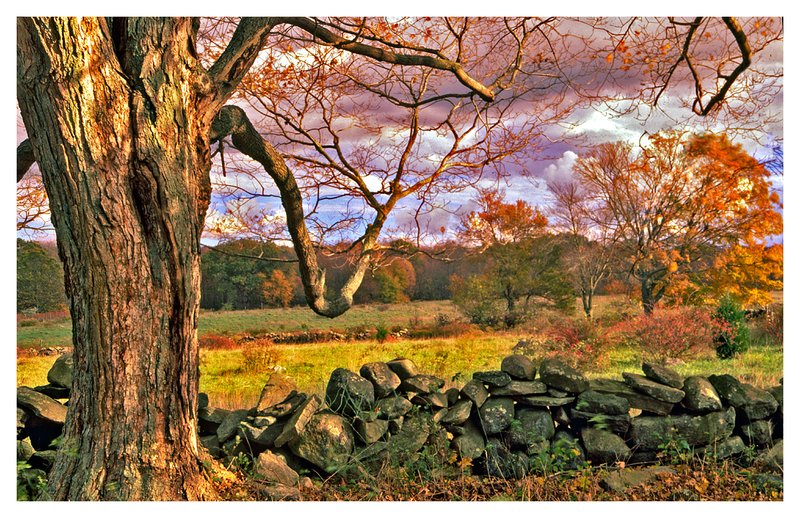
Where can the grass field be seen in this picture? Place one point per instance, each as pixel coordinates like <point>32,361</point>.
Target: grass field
<point>234,380</point>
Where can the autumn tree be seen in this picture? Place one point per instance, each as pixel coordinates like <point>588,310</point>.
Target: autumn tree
<point>121,115</point>
<point>277,289</point>
<point>677,197</point>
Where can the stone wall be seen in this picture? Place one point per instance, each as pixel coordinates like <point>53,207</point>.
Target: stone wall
<point>506,422</point>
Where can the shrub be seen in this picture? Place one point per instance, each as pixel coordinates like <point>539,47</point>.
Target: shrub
<point>216,342</point>
<point>735,337</point>
<point>475,298</point>
<point>381,333</point>
<point>576,341</point>
<point>767,329</point>
<point>679,333</point>
<point>260,356</point>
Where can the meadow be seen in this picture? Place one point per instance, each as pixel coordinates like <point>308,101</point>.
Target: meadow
<point>234,374</point>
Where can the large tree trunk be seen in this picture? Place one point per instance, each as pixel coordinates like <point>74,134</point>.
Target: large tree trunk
<point>121,141</point>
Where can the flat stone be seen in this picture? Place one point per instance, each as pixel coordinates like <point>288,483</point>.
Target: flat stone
<point>432,400</point>
<point>270,467</point>
<point>651,388</point>
<point>209,418</point>
<point>618,424</point>
<point>650,433</point>
<point>624,479</point>
<point>771,460</point>
<point>663,375</point>
<point>383,379</point>
<point>557,393</point>
<point>275,390</point>
<point>41,406</point>
<point>24,451</point>
<point>22,418</point>
<point>422,384</point>
<point>635,399</point>
<point>393,407</point>
<point>277,492</point>
<point>757,432</point>
<point>326,441</point>
<point>347,393</point>
<point>60,374</point>
<point>531,426</point>
<point>545,401</point>
<point>452,395</point>
<point>760,404</point>
<point>295,425</point>
<point>262,437</point>
<point>595,402</point>
<point>475,392</point>
<point>520,388</point>
<point>264,421</point>
<point>403,367</point>
<point>211,443</point>
<point>729,389</point>
<point>492,378</point>
<point>413,435</point>
<point>286,407</point>
<point>370,432</point>
<point>470,443</point>
<point>496,415</point>
<point>519,367</point>
<point>700,395</point>
<point>561,376</point>
<point>53,391</point>
<point>230,424</point>
<point>458,413</point>
<point>724,449</point>
<point>604,447</point>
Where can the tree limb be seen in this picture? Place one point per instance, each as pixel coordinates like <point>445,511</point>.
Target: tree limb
<point>25,158</point>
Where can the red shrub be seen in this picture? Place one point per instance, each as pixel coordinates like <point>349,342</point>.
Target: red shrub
<point>578,342</point>
<point>212,342</point>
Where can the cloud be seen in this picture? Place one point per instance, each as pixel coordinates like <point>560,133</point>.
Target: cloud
<point>561,169</point>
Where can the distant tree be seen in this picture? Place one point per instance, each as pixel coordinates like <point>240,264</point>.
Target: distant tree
<point>277,288</point>
<point>40,278</point>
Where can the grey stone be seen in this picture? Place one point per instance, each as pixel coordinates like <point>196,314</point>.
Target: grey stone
<point>492,378</point>
<point>264,421</point>
<point>22,418</point>
<point>393,407</point>
<point>561,376</point>
<point>651,388</point>
<point>520,388</point>
<point>295,425</point>
<point>452,395</point>
<point>230,424</point>
<point>760,404</point>
<point>649,433</point>
<point>422,384</point>
<point>458,413</point>
<point>41,406</point>
<point>370,432</point>
<point>622,480</point>
<point>545,401</point>
<point>777,393</point>
<point>663,375</point>
<point>595,402</point>
<point>729,389</point>
<point>470,444</point>
<point>635,399</point>
<point>496,415</point>
<point>439,415</point>
<point>700,395</point>
<point>326,442</point>
<point>531,426</point>
<point>211,443</point>
<point>286,407</point>
<point>202,400</point>
<point>432,400</point>
<point>475,392</point>
<point>60,374</point>
<point>270,467</point>
<point>618,424</point>
<point>42,460</point>
<point>757,432</point>
<point>498,461</point>
<point>771,460</point>
<point>261,437</point>
<point>277,492</point>
<point>568,449</point>
<point>209,419</point>
<point>519,367</point>
<point>396,424</point>
<point>53,391</point>
<point>24,451</point>
<point>556,393</point>
<point>348,393</point>
<point>604,447</point>
<point>382,378</point>
<point>275,390</point>
<point>413,435</point>
<point>403,367</point>
<point>726,448</point>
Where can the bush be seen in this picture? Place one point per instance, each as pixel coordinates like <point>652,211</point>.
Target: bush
<point>735,337</point>
<point>576,341</point>
<point>679,333</point>
<point>381,333</point>
<point>260,356</point>
<point>216,342</point>
<point>767,329</point>
<point>475,298</point>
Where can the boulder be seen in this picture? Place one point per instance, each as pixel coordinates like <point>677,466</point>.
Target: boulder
<point>53,391</point>
<point>520,388</point>
<point>370,432</point>
<point>202,400</point>
<point>475,392</point>
<point>211,443</point>
<point>41,406</point>
<point>595,402</point>
<point>60,374</point>
<point>413,435</point>
<point>43,460</point>
<point>729,389</point>
<point>757,432</point>
<point>635,399</point>
<point>652,433</point>
<point>403,367</point>
<point>348,393</point>
<point>771,460</point>
<point>604,447</point>
<point>295,425</point>
<point>496,415</point>
<point>618,423</point>
<point>545,401</point>
<point>24,451</point>
<point>470,443</point>
<point>422,384</point>
<point>383,379</point>
<point>531,426</point>
<point>726,448</point>
<point>433,400</point>
<point>275,390</point>
<point>209,418</point>
<point>326,441</point>
<point>272,468</point>
<point>452,395</point>
<point>230,425</point>
<point>519,367</point>
<point>458,413</point>
<point>22,418</point>
<point>261,437</point>
<point>700,395</point>
<point>625,479</point>
<point>393,407</point>
<point>663,375</point>
<point>559,375</point>
<point>651,388</point>
<point>492,378</point>
<point>498,461</point>
<point>286,407</point>
<point>759,403</point>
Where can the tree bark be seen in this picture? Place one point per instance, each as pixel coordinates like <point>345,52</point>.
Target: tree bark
<point>116,127</point>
